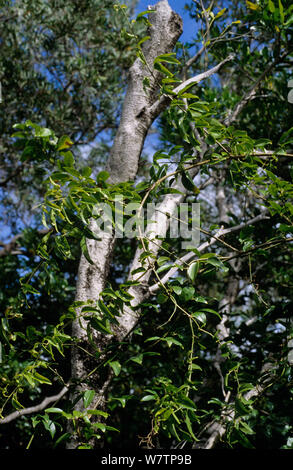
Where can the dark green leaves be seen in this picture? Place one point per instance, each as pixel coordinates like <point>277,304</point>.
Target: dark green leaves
<point>103,326</point>
<point>188,182</point>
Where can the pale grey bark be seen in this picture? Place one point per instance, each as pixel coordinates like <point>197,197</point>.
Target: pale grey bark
<point>136,118</point>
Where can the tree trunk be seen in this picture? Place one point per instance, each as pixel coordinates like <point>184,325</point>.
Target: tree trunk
<point>122,166</point>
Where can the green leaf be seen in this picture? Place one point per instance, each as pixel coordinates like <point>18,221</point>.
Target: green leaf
<point>138,359</point>
<point>63,437</point>
<point>245,428</point>
<point>240,407</point>
<point>41,251</point>
<point>187,293</point>
<point>40,378</point>
<point>271,6</point>
<point>53,410</point>
<point>189,427</point>
<point>122,400</point>
<point>63,247</point>
<point>77,414</point>
<point>44,132</point>
<point>195,367</point>
<point>252,6</point>
<point>200,299</point>
<point>220,13</point>
<point>153,338</point>
<point>68,159</point>
<point>49,425</point>
<point>217,263</point>
<point>103,176</point>
<point>209,310</point>
<point>84,249</point>
<point>162,260</point>
<point>116,366</point>
<point>110,293</point>
<point>141,57</point>
<point>72,171</point>
<point>100,325</point>
<point>111,428</point>
<point>169,58</point>
<point>28,288</point>
<point>162,298</point>
<point>15,403</point>
<point>100,426</point>
<point>170,341</point>
<point>159,66</point>
<point>98,413</point>
<point>146,12</point>
<point>88,397</point>
<point>86,171</point>
<point>148,398</point>
<point>193,270</point>
<point>138,270</point>
<point>143,40</point>
<point>186,403</point>
<point>176,289</point>
<point>188,182</point>
<point>200,316</point>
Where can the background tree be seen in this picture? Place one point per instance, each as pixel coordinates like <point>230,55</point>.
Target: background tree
<point>221,308</point>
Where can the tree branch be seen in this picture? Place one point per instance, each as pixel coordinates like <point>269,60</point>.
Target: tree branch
<point>161,103</point>
<point>36,408</point>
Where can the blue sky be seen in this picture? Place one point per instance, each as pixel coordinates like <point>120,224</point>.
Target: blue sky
<point>178,6</point>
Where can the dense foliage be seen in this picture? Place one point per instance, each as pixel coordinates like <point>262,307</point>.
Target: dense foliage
<point>208,363</point>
